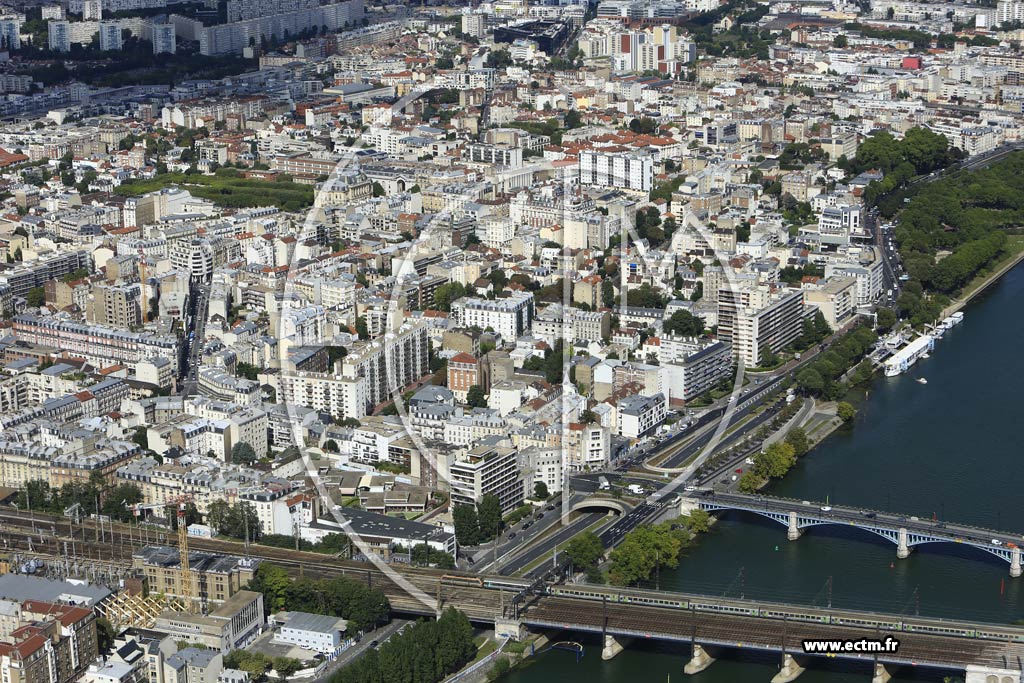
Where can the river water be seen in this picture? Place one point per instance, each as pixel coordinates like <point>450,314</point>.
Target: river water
<point>949,448</point>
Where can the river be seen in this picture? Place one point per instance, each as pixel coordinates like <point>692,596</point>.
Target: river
<point>949,448</point>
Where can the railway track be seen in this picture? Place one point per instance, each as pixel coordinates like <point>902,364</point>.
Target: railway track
<point>724,630</point>
<point>629,612</point>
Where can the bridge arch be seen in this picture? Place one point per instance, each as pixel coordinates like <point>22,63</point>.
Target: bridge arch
<point>601,504</point>
<point>905,539</point>
<point>803,522</point>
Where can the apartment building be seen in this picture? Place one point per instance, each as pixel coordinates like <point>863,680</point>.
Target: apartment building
<point>692,366</point>
<point>464,372</point>
<point>115,305</point>
<point>638,416</point>
<point>25,276</point>
<point>551,324</point>
<point>836,299</point>
<point>389,362</point>
<point>869,275</point>
<point>99,344</point>
<point>337,395</point>
<point>510,316</point>
<point>756,319</point>
<point>622,170</point>
<point>488,470</point>
<point>55,643</point>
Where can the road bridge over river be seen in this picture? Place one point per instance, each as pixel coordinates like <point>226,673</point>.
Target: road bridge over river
<point>904,531</point>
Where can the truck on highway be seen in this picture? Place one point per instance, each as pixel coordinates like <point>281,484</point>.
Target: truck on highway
<point>602,484</point>
<point>635,489</point>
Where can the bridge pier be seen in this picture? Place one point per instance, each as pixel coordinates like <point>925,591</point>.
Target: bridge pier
<point>790,670</point>
<point>612,646</point>
<point>882,674</point>
<point>985,674</point>
<point>700,660</point>
<point>793,532</point>
<point>509,628</point>
<point>902,549</point>
<point>1015,569</point>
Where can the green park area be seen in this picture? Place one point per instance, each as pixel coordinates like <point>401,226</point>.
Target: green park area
<point>227,187</point>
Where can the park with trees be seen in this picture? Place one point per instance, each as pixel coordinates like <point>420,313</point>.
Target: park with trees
<point>424,653</point>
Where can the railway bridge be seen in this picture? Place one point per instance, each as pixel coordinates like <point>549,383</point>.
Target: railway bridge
<point>986,653</point>
<point>904,531</point>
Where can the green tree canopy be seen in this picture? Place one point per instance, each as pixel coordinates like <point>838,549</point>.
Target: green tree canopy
<point>584,550</point>
<point>685,324</point>
<point>243,454</point>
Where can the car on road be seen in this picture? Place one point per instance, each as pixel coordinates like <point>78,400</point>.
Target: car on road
<point>996,541</point>
<point>512,535</point>
<point>826,508</point>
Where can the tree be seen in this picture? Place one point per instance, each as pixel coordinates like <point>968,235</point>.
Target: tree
<point>749,482</point>
<point>797,438</point>
<point>378,189</point>
<point>488,512</point>
<point>684,324</point>
<point>447,293</point>
<point>217,513</point>
<point>845,411</point>
<point>467,525</point>
<point>775,461</point>
<point>285,666</point>
<point>645,549</point>
<point>810,380</point>
<point>105,635</point>
<point>361,330</point>
<point>243,454</point>
<point>36,296</point>
<point>698,521</point>
<point>117,502</point>
<point>886,319</point>
<point>584,550</point>
<point>273,582</point>
<point>475,397</point>
<point>540,491</point>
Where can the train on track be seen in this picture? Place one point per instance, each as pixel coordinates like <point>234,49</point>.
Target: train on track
<point>889,623</point>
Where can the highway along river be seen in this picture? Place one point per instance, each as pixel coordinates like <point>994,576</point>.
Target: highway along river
<point>950,448</point>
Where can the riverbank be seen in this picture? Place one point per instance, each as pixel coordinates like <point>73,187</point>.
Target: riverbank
<point>980,284</point>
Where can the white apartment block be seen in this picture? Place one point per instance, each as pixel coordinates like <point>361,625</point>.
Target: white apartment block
<point>640,415</point>
<point>510,317</point>
<point>59,36</point>
<point>869,275</point>
<point>753,319</point>
<point>339,396</point>
<point>617,169</point>
<point>487,470</point>
<point>693,366</point>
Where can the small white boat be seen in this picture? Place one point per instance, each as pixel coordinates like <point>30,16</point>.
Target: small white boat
<point>925,355</point>
<point>922,380</point>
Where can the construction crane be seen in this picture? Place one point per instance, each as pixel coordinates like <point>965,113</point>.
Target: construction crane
<point>187,586</point>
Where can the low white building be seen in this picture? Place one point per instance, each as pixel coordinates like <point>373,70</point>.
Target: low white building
<point>316,632</point>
